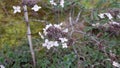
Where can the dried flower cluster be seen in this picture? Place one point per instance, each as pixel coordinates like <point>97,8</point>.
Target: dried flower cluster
<point>56,34</point>
<point>113,29</point>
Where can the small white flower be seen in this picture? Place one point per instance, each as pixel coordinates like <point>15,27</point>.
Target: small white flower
<point>96,25</point>
<point>116,64</point>
<point>101,15</point>
<point>114,23</point>
<point>16,9</point>
<point>41,35</point>
<point>57,26</point>
<point>50,44</point>
<point>62,3</point>
<point>1,66</point>
<point>48,47</point>
<point>109,15</point>
<point>52,2</point>
<point>56,43</point>
<point>46,43</point>
<point>93,25</point>
<point>64,45</point>
<point>47,26</point>
<point>63,40</point>
<point>36,7</point>
<point>61,24</point>
<point>65,30</point>
<point>44,29</point>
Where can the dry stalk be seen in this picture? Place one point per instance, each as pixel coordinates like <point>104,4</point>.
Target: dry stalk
<point>29,34</point>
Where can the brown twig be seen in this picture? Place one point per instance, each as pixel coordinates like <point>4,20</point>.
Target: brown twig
<point>3,7</point>
<point>29,34</point>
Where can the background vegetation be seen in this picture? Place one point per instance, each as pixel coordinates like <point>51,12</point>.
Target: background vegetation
<point>85,53</point>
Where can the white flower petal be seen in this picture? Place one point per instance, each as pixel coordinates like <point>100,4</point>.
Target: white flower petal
<point>48,47</point>
<point>44,45</point>
<point>61,24</point>
<point>48,44</point>
<point>56,43</point>
<point>46,40</point>
<point>63,40</point>
<point>101,15</point>
<point>64,45</point>
<point>94,25</point>
<point>109,15</point>
<point>57,26</point>
<point>36,7</point>
<point>44,31</point>
<point>41,35</point>
<point>116,64</point>
<point>52,2</point>
<point>62,3</point>
<point>113,22</point>
<point>47,26</point>
<point>65,30</point>
<point>16,9</point>
<point>1,66</point>
<point>51,43</point>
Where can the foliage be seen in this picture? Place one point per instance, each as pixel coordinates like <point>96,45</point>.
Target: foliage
<point>95,49</point>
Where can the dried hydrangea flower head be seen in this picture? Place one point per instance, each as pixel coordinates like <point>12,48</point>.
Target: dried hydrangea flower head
<point>114,29</point>
<point>55,33</point>
<point>114,12</point>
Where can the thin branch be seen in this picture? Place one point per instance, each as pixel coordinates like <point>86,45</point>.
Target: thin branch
<point>78,16</point>
<point>3,7</point>
<point>29,34</point>
<point>71,23</point>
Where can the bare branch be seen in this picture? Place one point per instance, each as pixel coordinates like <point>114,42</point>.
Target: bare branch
<point>29,34</point>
